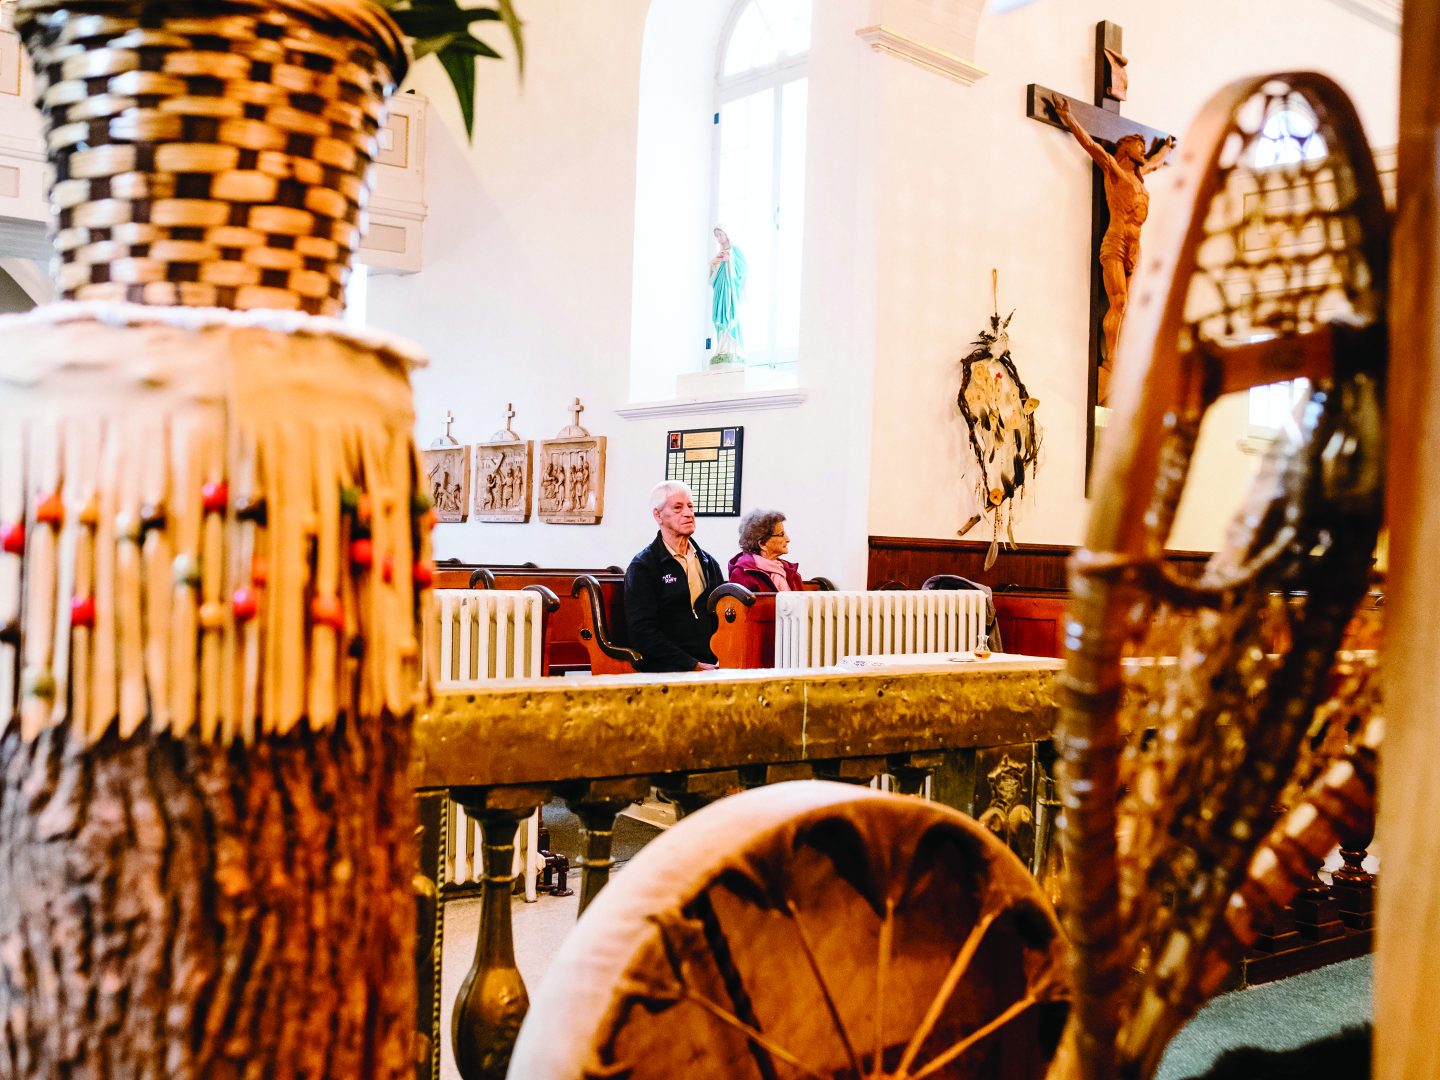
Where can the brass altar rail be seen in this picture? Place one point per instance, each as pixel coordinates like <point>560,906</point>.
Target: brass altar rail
<point>602,742</point>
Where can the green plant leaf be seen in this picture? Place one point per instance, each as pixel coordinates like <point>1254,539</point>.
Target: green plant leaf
<point>507,12</point>
<point>459,58</point>
<point>432,22</point>
<point>422,47</point>
<point>443,28</point>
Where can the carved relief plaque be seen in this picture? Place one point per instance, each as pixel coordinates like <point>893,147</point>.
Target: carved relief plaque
<point>503,472</point>
<point>572,476</point>
<point>447,476</point>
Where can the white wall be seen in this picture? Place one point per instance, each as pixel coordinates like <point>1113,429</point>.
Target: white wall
<point>527,289</point>
<point>916,187</point>
<point>675,142</point>
<point>971,184</point>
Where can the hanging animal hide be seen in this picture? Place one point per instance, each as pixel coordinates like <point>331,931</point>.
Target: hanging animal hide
<point>1000,416</point>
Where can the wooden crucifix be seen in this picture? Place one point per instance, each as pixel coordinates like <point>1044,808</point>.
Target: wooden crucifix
<point>1113,252</point>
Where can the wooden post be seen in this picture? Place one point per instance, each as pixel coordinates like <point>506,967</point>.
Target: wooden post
<point>1409,916</point>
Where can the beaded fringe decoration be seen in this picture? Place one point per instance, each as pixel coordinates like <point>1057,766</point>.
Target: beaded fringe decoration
<point>210,155</point>
<point>211,522</point>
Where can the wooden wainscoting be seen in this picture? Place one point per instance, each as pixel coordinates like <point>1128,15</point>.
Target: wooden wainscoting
<point>907,561</point>
<point>1029,582</point>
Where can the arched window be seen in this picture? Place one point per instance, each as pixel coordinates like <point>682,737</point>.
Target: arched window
<point>1288,137</point>
<point>760,121</point>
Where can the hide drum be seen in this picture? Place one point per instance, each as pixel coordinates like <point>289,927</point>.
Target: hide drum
<point>807,929</point>
<point>207,697</point>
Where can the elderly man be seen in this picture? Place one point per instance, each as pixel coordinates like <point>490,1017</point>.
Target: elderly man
<point>666,588</point>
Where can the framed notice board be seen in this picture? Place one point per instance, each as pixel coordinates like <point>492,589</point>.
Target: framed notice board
<point>708,459</point>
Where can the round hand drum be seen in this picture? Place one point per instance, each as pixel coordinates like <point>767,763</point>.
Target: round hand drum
<point>808,930</point>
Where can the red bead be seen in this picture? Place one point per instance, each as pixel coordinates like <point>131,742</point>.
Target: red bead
<point>259,570</point>
<point>82,611</point>
<point>244,605</point>
<point>326,611</point>
<point>423,572</point>
<point>362,509</point>
<point>12,539</point>
<point>50,511</point>
<point>215,497</point>
<point>429,520</point>
<point>362,552</point>
<point>387,568</point>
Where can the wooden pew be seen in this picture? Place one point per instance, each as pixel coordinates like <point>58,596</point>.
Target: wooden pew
<point>745,637</point>
<point>1031,621</point>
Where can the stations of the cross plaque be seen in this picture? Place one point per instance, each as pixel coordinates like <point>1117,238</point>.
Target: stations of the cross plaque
<point>1104,125</point>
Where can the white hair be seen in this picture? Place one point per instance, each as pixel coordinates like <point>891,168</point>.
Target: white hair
<point>661,493</point>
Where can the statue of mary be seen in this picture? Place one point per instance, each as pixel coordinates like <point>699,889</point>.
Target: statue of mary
<point>727,284</point>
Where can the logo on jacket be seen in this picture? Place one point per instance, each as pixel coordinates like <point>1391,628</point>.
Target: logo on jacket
<point>669,579</point>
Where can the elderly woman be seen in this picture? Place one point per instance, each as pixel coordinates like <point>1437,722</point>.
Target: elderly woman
<point>758,564</point>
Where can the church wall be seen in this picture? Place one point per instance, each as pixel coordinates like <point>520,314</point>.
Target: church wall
<point>526,292</point>
<point>968,183</point>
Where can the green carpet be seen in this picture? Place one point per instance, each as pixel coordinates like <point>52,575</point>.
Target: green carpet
<point>1274,1016</point>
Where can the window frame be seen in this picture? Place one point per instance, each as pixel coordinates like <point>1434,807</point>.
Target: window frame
<point>776,76</point>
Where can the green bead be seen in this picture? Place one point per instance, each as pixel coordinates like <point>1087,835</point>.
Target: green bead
<point>39,683</point>
<point>419,502</point>
<point>349,499</point>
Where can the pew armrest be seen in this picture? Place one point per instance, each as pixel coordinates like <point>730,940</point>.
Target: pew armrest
<point>548,600</point>
<point>482,578</point>
<point>729,591</point>
<point>606,655</point>
<point>819,584</point>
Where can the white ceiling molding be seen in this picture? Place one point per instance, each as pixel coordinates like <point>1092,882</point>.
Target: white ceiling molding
<point>938,35</point>
<point>1384,13</point>
<point>746,401</point>
<point>883,39</point>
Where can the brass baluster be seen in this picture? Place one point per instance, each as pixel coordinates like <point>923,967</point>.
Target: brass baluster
<point>691,791</point>
<point>912,770</point>
<point>492,1001</point>
<point>595,803</point>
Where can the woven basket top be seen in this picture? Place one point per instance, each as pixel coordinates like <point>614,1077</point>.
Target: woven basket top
<point>340,17</point>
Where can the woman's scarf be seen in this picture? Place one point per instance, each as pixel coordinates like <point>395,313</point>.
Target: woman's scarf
<point>776,569</point>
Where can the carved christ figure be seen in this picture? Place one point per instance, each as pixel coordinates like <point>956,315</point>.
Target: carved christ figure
<point>1129,203</point>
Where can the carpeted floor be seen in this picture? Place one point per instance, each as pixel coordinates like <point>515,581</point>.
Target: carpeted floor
<point>1275,1016</point>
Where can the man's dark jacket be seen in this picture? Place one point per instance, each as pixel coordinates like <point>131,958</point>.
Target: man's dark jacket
<point>671,634</point>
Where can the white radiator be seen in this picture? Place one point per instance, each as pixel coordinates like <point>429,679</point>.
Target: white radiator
<point>484,635</point>
<point>464,856</point>
<point>487,634</point>
<point>815,629</point>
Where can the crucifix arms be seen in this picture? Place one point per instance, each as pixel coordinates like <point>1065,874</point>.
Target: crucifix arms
<point>1159,151</point>
<point>1061,105</point>
<point>1137,158</point>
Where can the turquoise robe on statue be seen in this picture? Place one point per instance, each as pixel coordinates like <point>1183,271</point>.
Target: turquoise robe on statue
<point>727,284</point>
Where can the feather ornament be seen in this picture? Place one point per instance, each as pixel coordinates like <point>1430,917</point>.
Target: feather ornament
<point>999,415</point>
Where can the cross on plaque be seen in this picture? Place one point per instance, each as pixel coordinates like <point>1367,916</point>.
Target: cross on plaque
<point>577,409</point>
<point>509,414</point>
<point>1105,125</point>
<point>449,419</point>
